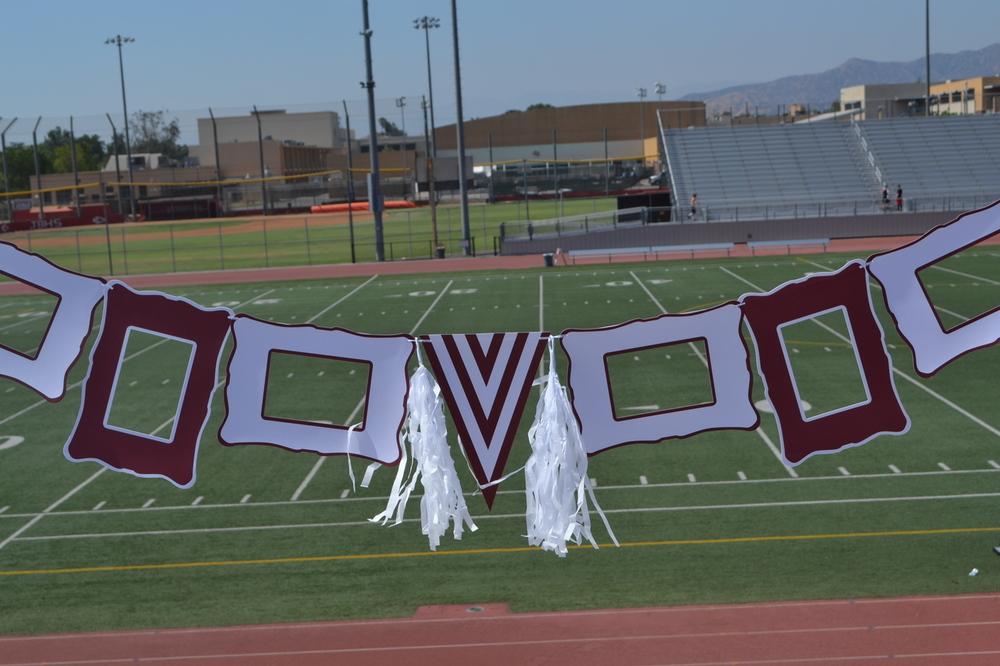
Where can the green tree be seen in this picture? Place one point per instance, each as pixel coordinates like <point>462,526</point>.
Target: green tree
<point>152,132</point>
<point>21,165</point>
<point>389,128</point>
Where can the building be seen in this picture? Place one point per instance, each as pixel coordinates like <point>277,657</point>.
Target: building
<point>318,129</point>
<point>621,130</point>
<point>980,94</point>
<point>884,100</point>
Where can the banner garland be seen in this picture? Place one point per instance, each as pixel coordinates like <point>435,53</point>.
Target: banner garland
<point>485,378</point>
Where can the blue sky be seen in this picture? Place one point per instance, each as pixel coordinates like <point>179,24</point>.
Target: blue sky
<point>308,53</point>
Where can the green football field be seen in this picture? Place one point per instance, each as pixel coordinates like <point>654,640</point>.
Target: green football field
<point>267,536</point>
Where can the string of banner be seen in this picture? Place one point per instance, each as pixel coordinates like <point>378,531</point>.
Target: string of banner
<point>485,380</point>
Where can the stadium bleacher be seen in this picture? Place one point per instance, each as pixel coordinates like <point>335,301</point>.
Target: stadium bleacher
<point>807,166</point>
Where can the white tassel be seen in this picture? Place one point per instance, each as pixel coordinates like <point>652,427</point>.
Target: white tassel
<point>427,436</point>
<point>556,481</point>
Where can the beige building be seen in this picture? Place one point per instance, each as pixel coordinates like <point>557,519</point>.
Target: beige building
<point>884,100</point>
<point>980,94</point>
<point>320,129</point>
<point>578,132</point>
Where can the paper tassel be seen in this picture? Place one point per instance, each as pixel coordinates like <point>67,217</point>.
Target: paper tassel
<point>427,436</point>
<point>555,476</point>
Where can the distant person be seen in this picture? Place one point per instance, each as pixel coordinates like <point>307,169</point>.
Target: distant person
<point>885,196</point>
<point>899,197</point>
<point>693,214</point>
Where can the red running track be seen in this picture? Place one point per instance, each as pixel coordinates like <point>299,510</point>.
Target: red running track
<point>908,630</point>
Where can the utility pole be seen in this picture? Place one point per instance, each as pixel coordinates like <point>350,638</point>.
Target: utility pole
<point>6,176</point>
<point>350,182</point>
<point>72,161</point>
<point>260,157</point>
<point>642,122</point>
<point>374,194</point>
<point>38,171</point>
<point>118,41</point>
<point>118,169</point>
<point>401,105</point>
<point>430,178</point>
<point>460,131</point>
<point>927,56</point>
<point>218,167</point>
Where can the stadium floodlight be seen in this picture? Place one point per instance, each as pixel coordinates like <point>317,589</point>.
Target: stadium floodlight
<point>119,40</point>
<point>401,105</point>
<point>660,89</point>
<point>428,23</point>
<point>642,92</point>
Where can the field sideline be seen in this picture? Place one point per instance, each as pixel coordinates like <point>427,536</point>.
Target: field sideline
<point>269,536</point>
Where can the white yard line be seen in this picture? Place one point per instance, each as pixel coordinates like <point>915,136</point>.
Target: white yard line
<point>52,507</point>
<point>149,503</point>
<point>894,469</point>
<point>341,299</point>
<point>968,275</point>
<point>742,480</point>
<point>759,430</point>
<point>961,410</point>
<point>26,320</point>
<point>520,516</point>
<point>127,358</point>
<point>361,403</point>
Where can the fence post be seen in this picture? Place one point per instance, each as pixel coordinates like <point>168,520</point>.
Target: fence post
<point>124,249</point>
<point>267,256</point>
<point>79,263</point>
<point>222,257</point>
<point>29,237</point>
<point>305,223</point>
<point>173,253</point>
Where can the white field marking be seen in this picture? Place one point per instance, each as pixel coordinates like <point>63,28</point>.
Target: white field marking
<point>3,509</point>
<point>165,382</point>
<point>759,430</point>
<point>968,275</point>
<point>27,320</point>
<point>341,299</point>
<point>741,475</point>
<point>651,486</point>
<point>127,358</point>
<point>593,481</point>
<point>133,383</point>
<point>52,507</point>
<point>843,470</point>
<point>10,441</point>
<point>520,516</point>
<point>894,469</point>
<point>961,410</point>
<point>641,408</point>
<point>944,467</point>
<point>541,303</point>
<point>361,403</point>
<point>691,479</point>
<point>198,500</point>
<point>643,481</point>
<point>344,493</point>
<point>993,464</point>
<point>149,503</point>
<point>246,498</point>
<point>99,506</point>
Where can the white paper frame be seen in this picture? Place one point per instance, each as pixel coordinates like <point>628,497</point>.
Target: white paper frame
<point>910,305</point>
<point>377,438</point>
<point>68,328</point>
<point>729,369</point>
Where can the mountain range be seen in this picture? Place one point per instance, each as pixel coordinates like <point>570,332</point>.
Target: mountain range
<point>822,88</point>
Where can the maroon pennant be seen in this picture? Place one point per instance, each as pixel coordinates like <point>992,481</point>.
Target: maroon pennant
<point>485,379</point>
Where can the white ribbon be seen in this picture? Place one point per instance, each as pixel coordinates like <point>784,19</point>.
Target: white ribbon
<point>427,435</point>
<point>555,476</point>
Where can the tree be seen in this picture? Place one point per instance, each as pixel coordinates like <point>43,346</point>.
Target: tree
<point>153,133</point>
<point>389,128</point>
<point>90,155</point>
<point>538,106</point>
<point>21,165</point>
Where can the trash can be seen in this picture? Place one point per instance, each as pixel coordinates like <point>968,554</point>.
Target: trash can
<point>549,259</point>
<point>439,252</point>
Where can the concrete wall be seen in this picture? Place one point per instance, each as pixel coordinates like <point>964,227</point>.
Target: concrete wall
<point>320,129</point>
<point>897,224</point>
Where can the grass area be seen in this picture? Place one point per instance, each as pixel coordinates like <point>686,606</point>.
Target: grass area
<point>158,247</point>
<point>712,518</point>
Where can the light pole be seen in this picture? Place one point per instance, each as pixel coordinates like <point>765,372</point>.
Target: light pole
<point>660,90</point>
<point>430,178</point>
<point>6,177</point>
<point>118,41</point>
<point>642,92</point>
<point>428,23</point>
<point>401,105</point>
<point>927,57</point>
<point>374,195</point>
<point>460,132</point>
